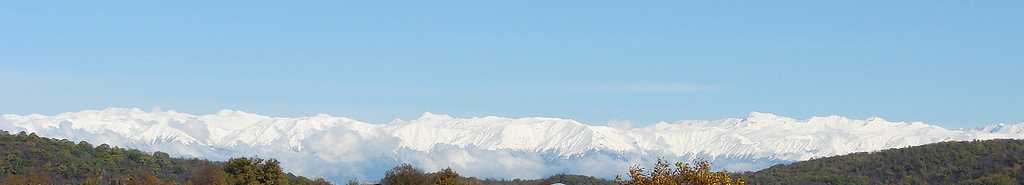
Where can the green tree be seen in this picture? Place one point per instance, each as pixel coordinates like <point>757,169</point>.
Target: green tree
<point>255,171</point>
<point>404,174</point>
<point>28,159</point>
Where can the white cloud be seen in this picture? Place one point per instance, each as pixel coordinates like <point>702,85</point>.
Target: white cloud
<point>620,124</point>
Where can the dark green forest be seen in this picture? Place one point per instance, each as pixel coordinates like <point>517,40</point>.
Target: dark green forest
<point>961,162</point>
<point>30,159</point>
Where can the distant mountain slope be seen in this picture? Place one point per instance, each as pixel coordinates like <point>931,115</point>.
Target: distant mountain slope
<point>489,147</point>
<point>998,161</point>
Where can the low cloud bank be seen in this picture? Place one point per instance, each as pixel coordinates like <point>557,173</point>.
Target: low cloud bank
<point>341,149</point>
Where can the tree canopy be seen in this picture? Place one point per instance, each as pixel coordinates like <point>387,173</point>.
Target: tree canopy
<point>404,174</point>
<point>683,174</point>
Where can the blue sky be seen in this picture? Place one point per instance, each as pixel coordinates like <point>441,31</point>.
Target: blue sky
<point>950,63</point>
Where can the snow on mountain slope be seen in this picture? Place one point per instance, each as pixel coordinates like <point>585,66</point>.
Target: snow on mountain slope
<point>135,124</point>
<point>763,135</point>
<point>343,148</point>
<point>561,136</point>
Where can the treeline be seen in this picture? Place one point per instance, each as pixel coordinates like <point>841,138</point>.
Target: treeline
<point>29,159</point>
<point>662,173</point>
<point>406,174</point>
<point>26,158</point>
<point>962,162</point>
<point>559,178</point>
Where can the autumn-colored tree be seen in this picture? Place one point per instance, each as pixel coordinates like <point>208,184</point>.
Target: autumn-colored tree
<point>404,174</point>
<point>143,178</point>
<point>33,178</point>
<point>212,175</point>
<point>92,179</point>
<point>475,181</point>
<point>447,176</point>
<point>683,174</point>
<point>353,182</point>
<point>320,181</point>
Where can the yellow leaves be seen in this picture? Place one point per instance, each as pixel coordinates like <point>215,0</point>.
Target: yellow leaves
<point>446,176</point>
<point>683,173</point>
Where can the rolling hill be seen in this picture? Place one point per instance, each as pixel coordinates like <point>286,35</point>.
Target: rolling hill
<point>999,161</point>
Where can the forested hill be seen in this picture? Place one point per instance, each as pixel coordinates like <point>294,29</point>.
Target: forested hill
<point>30,159</point>
<point>964,162</point>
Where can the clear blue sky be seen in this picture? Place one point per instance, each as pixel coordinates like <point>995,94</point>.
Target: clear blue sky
<point>950,63</point>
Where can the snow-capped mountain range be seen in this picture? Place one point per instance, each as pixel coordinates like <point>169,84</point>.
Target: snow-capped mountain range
<point>340,148</point>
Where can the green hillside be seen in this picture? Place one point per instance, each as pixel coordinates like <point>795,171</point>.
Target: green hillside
<point>30,159</point>
<point>963,162</point>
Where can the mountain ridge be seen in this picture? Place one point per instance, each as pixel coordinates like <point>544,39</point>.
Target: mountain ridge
<point>544,145</point>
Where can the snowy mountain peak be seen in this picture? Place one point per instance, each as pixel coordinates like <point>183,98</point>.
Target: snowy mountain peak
<point>1004,128</point>
<point>830,120</point>
<point>764,117</point>
<point>532,147</point>
<point>225,112</point>
<point>396,121</point>
<point>122,111</point>
<point>236,113</point>
<point>427,116</point>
